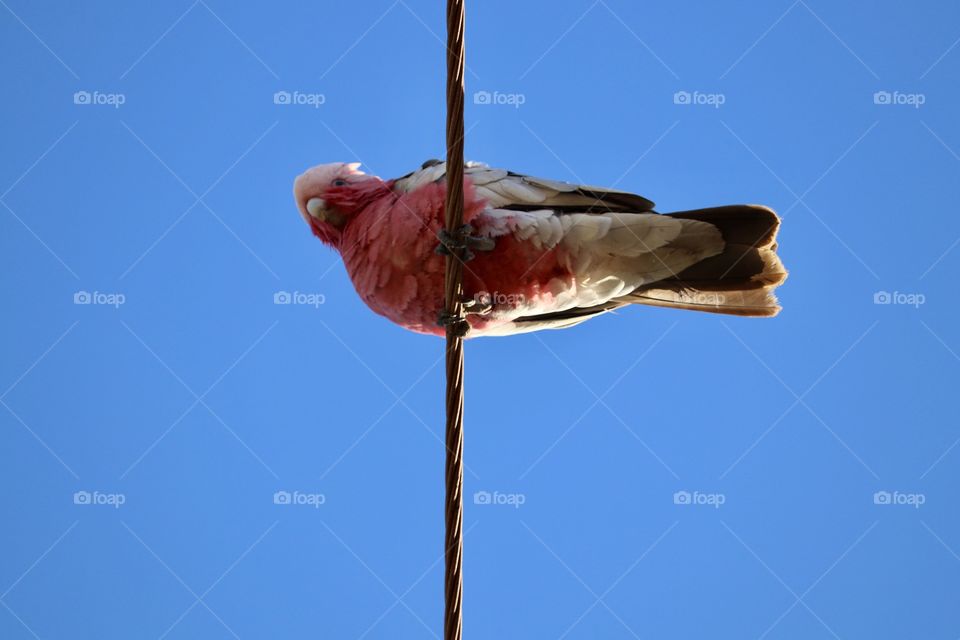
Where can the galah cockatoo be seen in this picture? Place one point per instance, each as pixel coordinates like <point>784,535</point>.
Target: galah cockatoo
<point>547,254</point>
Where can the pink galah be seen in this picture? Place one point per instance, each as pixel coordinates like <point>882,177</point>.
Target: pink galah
<point>548,254</point>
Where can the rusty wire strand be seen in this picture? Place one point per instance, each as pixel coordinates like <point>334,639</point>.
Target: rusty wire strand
<point>453,307</point>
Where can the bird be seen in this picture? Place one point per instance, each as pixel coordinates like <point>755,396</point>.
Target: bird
<point>540,253</point>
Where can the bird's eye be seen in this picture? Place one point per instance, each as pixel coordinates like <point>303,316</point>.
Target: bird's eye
<point>339,183</point>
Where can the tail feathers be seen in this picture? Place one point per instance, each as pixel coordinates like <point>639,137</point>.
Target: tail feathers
<point>736,267</point>
<point>748,224</point>
<point>761,303</point>
<point>738,281</point>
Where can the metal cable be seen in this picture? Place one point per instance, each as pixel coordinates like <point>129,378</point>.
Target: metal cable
<point>453,307</point>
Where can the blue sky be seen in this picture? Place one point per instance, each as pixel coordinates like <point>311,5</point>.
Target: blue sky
<point>654,474</point>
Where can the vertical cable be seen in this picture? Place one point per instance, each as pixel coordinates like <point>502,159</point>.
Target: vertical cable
<point>453,287</point>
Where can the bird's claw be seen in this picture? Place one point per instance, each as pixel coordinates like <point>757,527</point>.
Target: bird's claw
<point>479,304</point>
<point>459,244</point>
<point>454,323</point>
<point>462,242</point>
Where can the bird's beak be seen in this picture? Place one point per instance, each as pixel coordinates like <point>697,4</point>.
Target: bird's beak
<point>317,208</point>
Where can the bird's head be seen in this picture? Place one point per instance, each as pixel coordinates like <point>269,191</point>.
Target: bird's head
<point>328,197</point>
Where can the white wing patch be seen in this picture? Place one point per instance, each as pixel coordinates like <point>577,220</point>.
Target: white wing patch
<point>609,255</point>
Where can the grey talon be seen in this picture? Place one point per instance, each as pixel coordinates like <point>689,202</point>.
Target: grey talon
<point>461,242</point>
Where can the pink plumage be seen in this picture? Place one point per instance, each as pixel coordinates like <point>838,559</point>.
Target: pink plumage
<point>558,253</point>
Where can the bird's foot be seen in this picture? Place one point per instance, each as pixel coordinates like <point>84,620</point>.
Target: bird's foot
<point>455,323</point>
<point>462,243</point>
<point>479,304</point>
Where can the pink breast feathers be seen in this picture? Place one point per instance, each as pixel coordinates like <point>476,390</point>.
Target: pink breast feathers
<point>389,252</point>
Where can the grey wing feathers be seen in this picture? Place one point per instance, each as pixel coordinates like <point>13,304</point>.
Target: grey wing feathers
<point>504,189</point>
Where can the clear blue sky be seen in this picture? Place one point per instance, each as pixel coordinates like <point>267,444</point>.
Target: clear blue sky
<point>145,434</point>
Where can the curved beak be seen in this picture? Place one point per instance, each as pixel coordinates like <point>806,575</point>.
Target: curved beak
<point>315,207</point>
